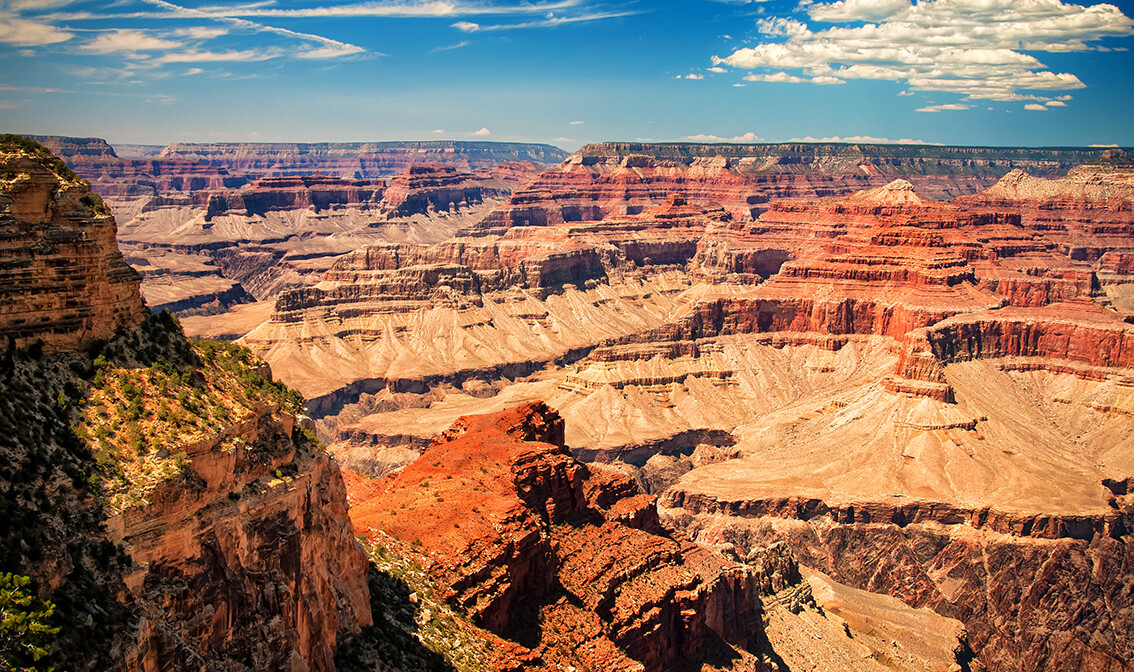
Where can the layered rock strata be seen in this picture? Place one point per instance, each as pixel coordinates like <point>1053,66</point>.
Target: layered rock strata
<point>363,160</point>
<point>63,280</point>
<point>624,178</point>
<point>564,557</point>
<point>198,499</point>
<point>248,560</point>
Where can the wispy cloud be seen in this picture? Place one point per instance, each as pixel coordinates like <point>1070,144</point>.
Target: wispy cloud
<point>551,21</point>
<point>459,45</point>
<point>122,40</point>
<point>863,139</point>
<point>702,137</point>
<point>945,107</point>
<point>974,48</point>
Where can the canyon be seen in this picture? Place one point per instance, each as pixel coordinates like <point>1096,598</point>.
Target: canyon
<point>746,407</point>
<point>895,387</point>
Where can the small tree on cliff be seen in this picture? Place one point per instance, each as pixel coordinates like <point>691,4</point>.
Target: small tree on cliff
<point>25,631</point>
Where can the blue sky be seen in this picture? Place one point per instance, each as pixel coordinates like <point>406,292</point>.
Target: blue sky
<point>568,72</point>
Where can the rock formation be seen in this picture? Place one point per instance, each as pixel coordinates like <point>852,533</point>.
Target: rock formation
<point>553,542</point>
<point>881,380</point>
<point>163,493</point>
<point>363,160</point>
<point>211,249</point>
<point>64,281</point>
<point>624,178</point>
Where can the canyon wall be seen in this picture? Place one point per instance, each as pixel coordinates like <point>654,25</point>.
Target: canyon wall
<point>65,282</point>
<point>162,492</point>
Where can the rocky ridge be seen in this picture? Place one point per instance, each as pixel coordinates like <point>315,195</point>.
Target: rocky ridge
<point>164,494</point>
<point>624,178</point>
<point>64,281</point>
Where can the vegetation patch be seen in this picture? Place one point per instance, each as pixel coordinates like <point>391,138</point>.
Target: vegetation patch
<point>414,628</point>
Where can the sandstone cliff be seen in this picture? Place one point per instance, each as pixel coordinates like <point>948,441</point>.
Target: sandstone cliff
<point>162,493</point>
<point>64,281</point>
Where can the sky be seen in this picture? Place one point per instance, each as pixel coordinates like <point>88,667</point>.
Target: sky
<point>570,72</point>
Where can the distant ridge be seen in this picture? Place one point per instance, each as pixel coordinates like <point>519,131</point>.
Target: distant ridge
<point>830,157</point>
<point>498,151</point>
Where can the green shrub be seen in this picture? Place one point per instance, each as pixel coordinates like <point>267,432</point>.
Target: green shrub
<point>26,634</point>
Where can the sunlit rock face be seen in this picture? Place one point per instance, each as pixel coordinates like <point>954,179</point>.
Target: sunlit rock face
<point>63,280</point>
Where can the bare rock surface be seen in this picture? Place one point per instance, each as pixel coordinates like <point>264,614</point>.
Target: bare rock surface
<point>567,560</point>
<point>64,281</point>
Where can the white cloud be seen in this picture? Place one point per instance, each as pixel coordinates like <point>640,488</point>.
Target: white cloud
<point>701,137</point>
<point>194,71</point>
<point>551,21</point>
<point>774,77</point>
<point>863,139</point>
<point>576,123</point>
<point>439,130</point>
<point>231,55</point>
<point>1035,107</point>
<point>942,108</point>
<point>906,93</point>
<point>127,41</point>
<point>1103,146</point>
<point>36,5</point>
<point>857,10</point>
<point>717,69</point>
<point>482,132</point>
<point>25,33</point>
<point>201,32</point>
<point>973,48</point>
<point>691,75</point>
<point>1055,103</point>
<point>460,45</point>
<point>827,79</point>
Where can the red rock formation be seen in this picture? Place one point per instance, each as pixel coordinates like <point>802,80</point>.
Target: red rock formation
<point>422,189</point>
<point>62,279</point>
<point>1058,604</point>
<point>240,550</point>
<point>624,178</point>
<point>533,544</point>
<point>238,566</point>
<point>291,193</point>
<point>1079,337</point>
<point>1089,213</point>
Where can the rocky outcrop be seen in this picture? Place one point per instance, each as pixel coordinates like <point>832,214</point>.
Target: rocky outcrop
<point>62,279</point>
<point>559,555</point>
<point>1077,337</point>
<point>1088,214</point>
<point>290,193</point>
<point>421,189</point>
<point>248,559</point>
<point>173,476</point>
